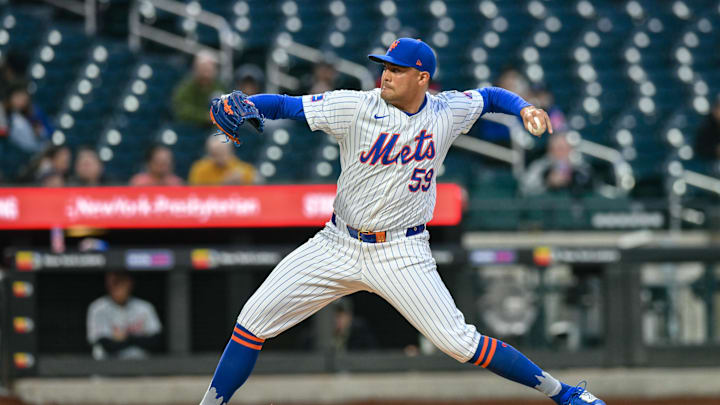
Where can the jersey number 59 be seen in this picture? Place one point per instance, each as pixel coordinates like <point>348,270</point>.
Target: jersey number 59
<point>421,180</point>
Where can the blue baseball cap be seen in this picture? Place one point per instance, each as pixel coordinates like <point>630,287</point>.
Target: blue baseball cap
<point>409,52</point>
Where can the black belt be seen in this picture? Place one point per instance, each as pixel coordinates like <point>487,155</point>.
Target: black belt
<point>376,237</point>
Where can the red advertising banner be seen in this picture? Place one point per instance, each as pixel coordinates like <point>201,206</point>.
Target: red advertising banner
<point>187,207</point>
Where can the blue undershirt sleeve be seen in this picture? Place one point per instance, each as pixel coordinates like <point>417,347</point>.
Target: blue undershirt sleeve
<point>498,100</point>
<point>277,106</point>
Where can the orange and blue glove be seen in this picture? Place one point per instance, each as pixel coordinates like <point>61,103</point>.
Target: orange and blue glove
<point>229,111</point>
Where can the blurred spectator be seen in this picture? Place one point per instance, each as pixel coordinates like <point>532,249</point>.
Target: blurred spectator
<point>120,325</point>
<point>434,88</point>
<point>191,98</point>
<point>88,168</point>
<point>55,160</point>
<point>707,141</point>
<point>249,79</point>
<point>4,123</point>
<point>28,127</point>
<point>12,70</point>
<point>511,79</point>
<point>559,170</point>
<point>498,128</point>
<point>221,166</point>
<point>323,78</point>
<point>159,169</point>
<point>51,179</point>
<point>351,332</point>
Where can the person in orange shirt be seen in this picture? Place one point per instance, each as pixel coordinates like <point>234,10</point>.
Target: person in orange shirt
<point>159,169</point>
<point>221,166</point>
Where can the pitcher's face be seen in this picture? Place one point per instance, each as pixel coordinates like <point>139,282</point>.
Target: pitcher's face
<point>400,84</point>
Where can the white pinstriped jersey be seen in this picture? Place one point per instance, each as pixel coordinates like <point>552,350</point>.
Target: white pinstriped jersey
<point>381,149</point>
<point>389,160</point>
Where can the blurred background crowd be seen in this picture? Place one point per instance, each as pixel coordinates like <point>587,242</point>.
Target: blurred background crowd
<point>632,76</point>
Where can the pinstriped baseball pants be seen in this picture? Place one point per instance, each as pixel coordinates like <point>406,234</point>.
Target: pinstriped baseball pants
<point>332,264</point>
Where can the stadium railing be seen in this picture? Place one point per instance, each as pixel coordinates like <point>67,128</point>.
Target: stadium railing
<point>227,40</point>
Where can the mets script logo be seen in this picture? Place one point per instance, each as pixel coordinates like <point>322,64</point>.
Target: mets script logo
<point>383,146</point>
<point>393,45</point>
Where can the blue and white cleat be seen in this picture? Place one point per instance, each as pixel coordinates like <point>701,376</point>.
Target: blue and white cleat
<point>579,396</point>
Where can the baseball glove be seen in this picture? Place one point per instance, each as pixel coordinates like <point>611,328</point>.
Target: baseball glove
<point>229,111</point>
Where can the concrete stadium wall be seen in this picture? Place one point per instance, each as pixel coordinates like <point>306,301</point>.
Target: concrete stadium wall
<point>339,388</point>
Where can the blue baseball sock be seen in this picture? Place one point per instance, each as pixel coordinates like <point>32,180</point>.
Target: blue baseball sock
<point>235,366</point>
<point>505,361</point>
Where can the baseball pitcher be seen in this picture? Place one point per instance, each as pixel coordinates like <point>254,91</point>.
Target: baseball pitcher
<point>392,143</point>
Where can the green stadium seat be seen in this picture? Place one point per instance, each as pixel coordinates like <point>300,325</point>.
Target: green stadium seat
<point>495,215</point>
<point>554,211</point>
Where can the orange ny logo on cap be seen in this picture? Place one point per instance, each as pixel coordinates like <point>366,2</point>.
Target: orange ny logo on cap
<point>393,45</point>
